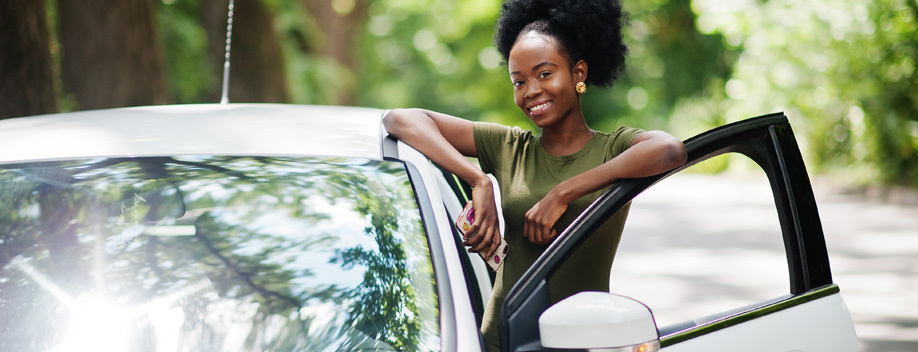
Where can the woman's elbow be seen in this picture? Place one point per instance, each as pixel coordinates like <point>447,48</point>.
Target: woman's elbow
<point>395,121</point>
<point>674,151</point>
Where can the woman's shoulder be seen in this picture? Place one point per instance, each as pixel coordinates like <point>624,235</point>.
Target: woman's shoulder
<point>620,139</point>
<point>626,132</point>
<point>502,133</point>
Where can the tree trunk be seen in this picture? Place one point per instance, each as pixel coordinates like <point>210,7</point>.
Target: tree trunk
<point>27,84</point>
<point>256,65</point>
<point>341,22</point>
<point>111,55</point>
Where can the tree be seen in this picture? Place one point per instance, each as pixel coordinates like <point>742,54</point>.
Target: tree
<point>27,87</point>
<point>669,61</point>
<point>437,55</point>
<point>845,73</point>
<point>111,53</point>
<point>341,23</point>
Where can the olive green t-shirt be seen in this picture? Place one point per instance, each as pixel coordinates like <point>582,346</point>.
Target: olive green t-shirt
<point>526,172</point>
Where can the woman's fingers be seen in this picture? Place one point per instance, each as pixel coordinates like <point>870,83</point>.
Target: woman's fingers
<point>541,219</point>
<point>485,226</point>
<point>528,228</point>
<point>495,243</point>
<point>537,231</point>
<point>476,239</point>
<point>470,237</point>
<point>481,242</point>
<point>489,242</point>
<point>485,230</point>
<point>550,236</point>
<point>534,227</point>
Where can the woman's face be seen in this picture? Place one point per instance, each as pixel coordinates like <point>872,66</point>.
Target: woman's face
<point>543,80</point>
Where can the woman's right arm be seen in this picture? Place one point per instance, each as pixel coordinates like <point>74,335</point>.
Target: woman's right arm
<point>447,140</point>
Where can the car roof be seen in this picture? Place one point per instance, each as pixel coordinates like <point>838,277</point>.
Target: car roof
<point>211,129</point>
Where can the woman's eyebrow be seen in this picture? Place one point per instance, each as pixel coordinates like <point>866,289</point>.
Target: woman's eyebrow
<point>536,67</point>
<point>545,63</point>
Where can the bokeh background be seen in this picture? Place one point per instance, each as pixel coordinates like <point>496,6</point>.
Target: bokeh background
<point>842,70</point>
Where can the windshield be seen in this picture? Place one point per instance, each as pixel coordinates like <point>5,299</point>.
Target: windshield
<point>213,253</point>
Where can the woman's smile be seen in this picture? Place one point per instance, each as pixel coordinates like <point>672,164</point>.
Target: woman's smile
<point>539,107</point>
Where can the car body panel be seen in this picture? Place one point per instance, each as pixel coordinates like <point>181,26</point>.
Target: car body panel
<point>232,129</point>
<point>790,329</point>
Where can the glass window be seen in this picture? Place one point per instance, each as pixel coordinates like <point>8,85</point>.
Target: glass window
<point>697,246</point>
<point>213,253</point>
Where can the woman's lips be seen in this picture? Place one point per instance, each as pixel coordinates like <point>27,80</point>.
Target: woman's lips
<point>539,107</point>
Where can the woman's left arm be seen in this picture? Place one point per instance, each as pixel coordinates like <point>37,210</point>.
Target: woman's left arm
<point>650,153</point>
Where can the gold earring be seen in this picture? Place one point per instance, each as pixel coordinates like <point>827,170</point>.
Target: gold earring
<point>580,88</point>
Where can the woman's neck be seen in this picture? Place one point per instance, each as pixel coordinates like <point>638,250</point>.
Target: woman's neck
<point>566,138</point>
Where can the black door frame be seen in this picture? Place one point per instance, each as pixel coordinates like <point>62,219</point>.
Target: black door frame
<point>769,141</point>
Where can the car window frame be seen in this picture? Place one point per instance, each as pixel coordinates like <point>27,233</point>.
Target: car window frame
<point>478,278</point>
<point>456,310</point>
<point>769,141</point>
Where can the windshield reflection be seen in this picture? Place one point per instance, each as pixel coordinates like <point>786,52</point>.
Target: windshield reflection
<point>213,253</point>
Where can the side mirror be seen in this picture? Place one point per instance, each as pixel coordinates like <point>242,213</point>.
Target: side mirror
<point>599,320</point>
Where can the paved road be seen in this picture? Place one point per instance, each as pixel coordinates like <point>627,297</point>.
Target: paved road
<point>873,246</point>
<point>695,245</point>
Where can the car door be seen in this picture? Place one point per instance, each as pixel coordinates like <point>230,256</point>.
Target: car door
<point>811,316</point>
<point>478,278</point>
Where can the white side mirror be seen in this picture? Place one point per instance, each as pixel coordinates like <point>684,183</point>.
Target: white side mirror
<point>599,320</point>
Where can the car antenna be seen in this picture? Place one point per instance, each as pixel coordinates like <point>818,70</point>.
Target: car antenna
<point>224,99</point>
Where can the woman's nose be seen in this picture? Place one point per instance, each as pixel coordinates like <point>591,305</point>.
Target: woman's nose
<point>533,90</point>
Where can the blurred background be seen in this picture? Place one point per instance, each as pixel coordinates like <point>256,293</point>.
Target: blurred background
<point>842,70</point>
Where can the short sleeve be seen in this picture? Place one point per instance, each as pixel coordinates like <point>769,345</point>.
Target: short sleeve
<point>491,140</point>
<point>622,138</point>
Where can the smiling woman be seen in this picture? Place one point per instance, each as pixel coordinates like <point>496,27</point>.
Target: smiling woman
<point>553,50</point>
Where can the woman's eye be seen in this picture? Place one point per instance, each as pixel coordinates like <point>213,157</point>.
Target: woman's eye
<point>517,83</point>
<point>544,74</point>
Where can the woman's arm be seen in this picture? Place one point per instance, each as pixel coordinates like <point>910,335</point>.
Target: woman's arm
<point>650,153</point>
<point>446,140</point>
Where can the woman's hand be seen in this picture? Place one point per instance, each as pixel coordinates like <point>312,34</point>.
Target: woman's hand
<point>484,234</point>
<point>447,140</point>
<point>541,219</point>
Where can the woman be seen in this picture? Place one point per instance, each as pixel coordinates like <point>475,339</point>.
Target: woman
<point>553,51</point>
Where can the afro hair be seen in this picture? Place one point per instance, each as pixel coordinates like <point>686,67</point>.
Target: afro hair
<point>589,30</point>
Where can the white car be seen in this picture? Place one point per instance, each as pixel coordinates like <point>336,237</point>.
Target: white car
<point>255,227</point>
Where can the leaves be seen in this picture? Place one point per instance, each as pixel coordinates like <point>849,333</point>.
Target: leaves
<point>843,71</point>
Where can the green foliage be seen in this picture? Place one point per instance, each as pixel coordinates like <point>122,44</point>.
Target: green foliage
<point>670,61</point>
<point>313,78</point>
<point>185,46</point>
<point>844,71</point>
<point>436,55</point>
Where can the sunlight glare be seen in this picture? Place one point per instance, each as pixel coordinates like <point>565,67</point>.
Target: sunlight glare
<point>96,326</point>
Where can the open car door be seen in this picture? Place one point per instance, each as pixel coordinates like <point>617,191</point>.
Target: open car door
<point>811,317</point>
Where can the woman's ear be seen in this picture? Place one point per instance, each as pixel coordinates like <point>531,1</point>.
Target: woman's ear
<point>580,71</point>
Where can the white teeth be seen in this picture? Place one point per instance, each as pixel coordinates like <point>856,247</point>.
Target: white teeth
<point>539,107</point>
